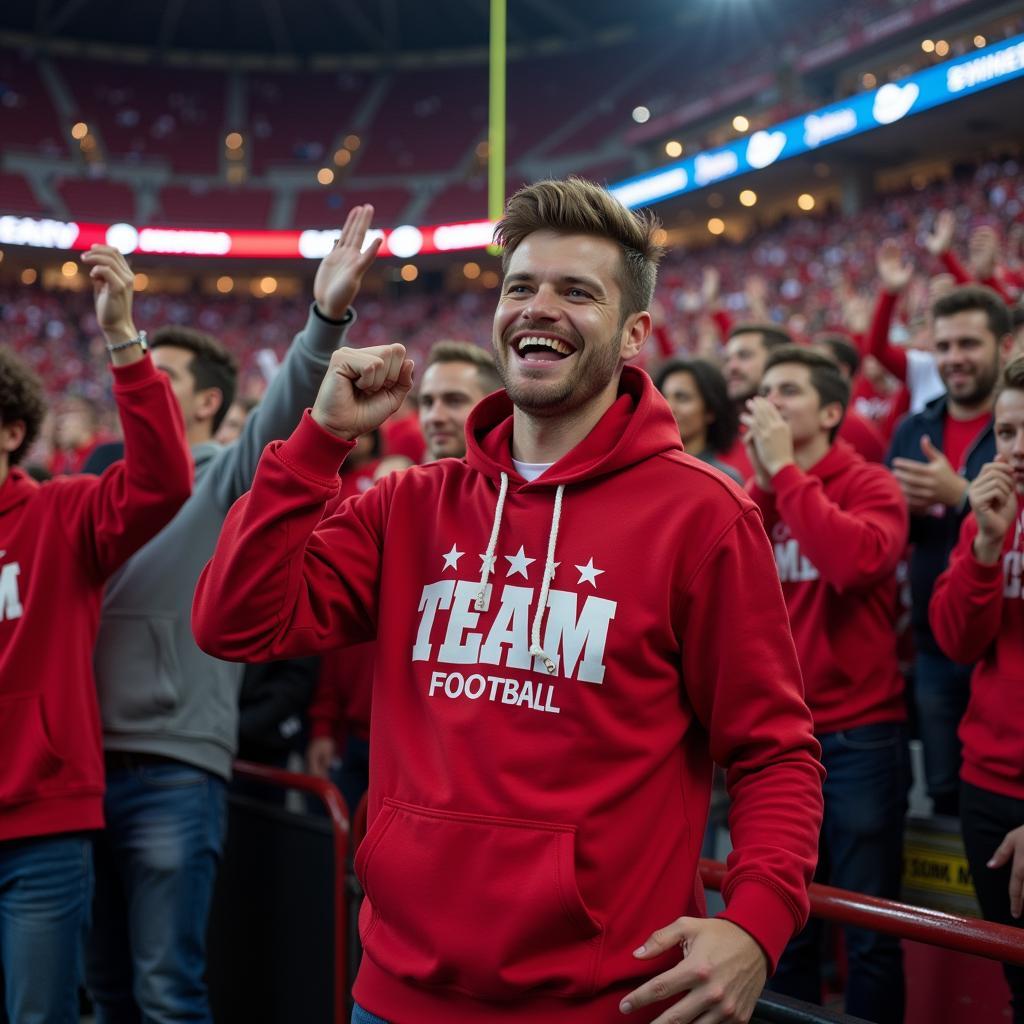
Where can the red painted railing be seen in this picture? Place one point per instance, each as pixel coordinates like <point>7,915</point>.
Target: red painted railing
<point>328,794</point>
<point>960,934</point>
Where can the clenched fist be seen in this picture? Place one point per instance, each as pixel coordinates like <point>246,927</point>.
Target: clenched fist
<point>363,387</point>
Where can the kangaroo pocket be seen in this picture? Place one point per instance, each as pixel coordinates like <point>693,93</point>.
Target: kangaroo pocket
<point>486,906</point>
<point>137,668</point>
<point>29,757</point>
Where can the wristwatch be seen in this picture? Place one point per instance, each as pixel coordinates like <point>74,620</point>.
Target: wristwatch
<point>139,339</point>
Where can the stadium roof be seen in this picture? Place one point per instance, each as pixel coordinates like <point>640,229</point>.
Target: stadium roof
<point>298,30</point>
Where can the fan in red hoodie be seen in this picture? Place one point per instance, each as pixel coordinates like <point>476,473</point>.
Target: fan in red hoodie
<point>554,673</point>
<point>59,542</point>
<point>839,528</point>
<point>977,614</point>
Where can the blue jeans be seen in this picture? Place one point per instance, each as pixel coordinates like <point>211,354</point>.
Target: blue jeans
<point>361,1016</point>
<point>45,891</point>
<point>861,848</point>
<point>155,869</point>
<point>941,689</point>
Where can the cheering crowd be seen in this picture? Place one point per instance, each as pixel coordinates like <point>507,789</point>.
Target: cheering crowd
<point>563,621</point>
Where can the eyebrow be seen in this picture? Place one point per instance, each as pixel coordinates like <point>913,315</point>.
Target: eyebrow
<point>591,284</point>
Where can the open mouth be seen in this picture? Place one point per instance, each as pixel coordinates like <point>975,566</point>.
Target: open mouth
<point>536,348</point>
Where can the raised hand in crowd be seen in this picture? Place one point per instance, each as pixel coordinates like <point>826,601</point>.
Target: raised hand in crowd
<point>710,288</point>
<point>722,972</point>
<point>756,292</point>
<point>895,271</point>
<point>341,272</point>
<point>993,499</point>
<point>113,285</point>
<point>940,239</point>
<point>1011,851</point>
<point>768,439</point>
<point>934,482</point>
<point>983,253</point>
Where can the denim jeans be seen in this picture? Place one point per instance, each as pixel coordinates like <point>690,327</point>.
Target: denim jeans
<point>941,689</point>
<point>861,848</point>
<point>985,818</point>
<point>45,891</point>
<point>361,1016</point>
<point>155,869</point>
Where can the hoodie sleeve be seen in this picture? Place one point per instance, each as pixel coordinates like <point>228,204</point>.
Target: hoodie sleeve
<point>877,339</point>
<point>853,546</point>
<point>966,608</point>
<point>292,390</point>
<point>284,582</point>
<point>140,494</point>
<point>741,674</point>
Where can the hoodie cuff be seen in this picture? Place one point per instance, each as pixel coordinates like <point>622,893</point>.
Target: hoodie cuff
<point>323,336</point>
<point>983,575</point>
<point>764,916</point>
<point>142,371</point>
<point>787,478</point>
<point>315,452</point>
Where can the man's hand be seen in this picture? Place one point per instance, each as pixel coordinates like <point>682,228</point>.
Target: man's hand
<point>341,271</point>
<point>762,477</point>
<point>894,271</point>
<point>722,973</point>
<point>941,238</point>
<point>319,755</point>
<point>934,482</point>
<point>993,498</point>
<point>1011,851</point>
<point>363,387</point>
<point>771,436</point>
<point>755,289</point>
<point>710,285</point>
<point>983,252</point>
<point>112,286</point>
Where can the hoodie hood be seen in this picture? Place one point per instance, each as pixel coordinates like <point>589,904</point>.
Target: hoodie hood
<point>638,426</point>
<point>836,460</point>
<point>16,489</point>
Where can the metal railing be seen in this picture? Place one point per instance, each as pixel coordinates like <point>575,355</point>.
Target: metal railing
<point>332,800</point>
<point>919,924</point>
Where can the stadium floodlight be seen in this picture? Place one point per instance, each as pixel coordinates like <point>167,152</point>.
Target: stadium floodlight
<point>641,115</point>
<point>405,241</point>
<point>122,237</point>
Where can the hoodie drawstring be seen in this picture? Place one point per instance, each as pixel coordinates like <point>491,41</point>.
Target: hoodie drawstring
<point>549,571</point>
<point>481,602</point>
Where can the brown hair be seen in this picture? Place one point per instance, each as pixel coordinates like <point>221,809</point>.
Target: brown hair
<point>969,297</point>
<point>575,206</point>
<point>466,352</point>
<point>826,377</point>
<point>772,335</point>
<point>212,365</point>
<point>1012,377</point>
<point>21,398</point>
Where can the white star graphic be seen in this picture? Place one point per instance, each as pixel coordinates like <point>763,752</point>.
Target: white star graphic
<point>588,574</point>
<point>451,560</point>
<point>488,562</point>
<point>518,562</point>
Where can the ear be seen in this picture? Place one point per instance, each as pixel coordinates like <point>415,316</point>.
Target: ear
<point>11,435</point>
<point>830,415</point>
<point>1007,348</point>
<point>635,332</point>
<point>207,403</point>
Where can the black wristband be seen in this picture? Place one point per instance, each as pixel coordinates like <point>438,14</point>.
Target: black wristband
<point>346,319</point>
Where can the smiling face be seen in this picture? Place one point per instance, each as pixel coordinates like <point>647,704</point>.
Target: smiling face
<point>1009,431</point>
<point>559,338</point>
<point>967,356</point>
<point>687,405</point>
<point>745,356</point>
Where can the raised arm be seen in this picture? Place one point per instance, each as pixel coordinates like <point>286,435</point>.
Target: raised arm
<point>295,385</point>
<point>140,494</point>
<point>282,582</point>
<point>894,274</point>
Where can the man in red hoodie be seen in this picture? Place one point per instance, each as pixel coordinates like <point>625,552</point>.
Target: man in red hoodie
<point>59,542</point>
<point>977,615</point>
<point>554,675</point>
<point>839,525</point>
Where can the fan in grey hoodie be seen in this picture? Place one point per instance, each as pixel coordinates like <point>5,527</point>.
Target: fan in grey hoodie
<point>170,712</point>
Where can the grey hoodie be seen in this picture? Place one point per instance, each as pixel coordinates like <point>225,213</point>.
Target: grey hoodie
<point>160,694</point>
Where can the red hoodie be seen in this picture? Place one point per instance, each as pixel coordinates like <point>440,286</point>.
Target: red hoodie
<point>977,615</point>
<point>59,542</point>
<point>839,531</point>
<point>528,830</point>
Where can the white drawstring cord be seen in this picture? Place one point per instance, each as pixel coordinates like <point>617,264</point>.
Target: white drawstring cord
<point>549,571</point>
<point>481,602</point>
